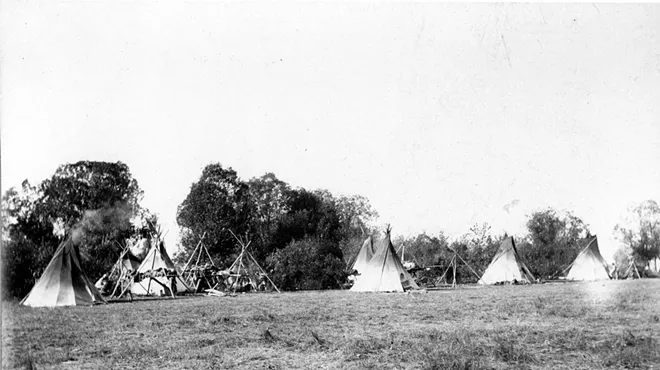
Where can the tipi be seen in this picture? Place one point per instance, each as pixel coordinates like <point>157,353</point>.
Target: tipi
<point>384,271</point>
<point>589,264</point>
<point>506,266</point>
<point>63,282</point>
<point>155,274</point>
<point>364,256</point>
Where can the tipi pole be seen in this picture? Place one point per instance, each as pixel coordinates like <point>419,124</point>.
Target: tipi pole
<point>199,256</point>
<point>209,255</point>
<point>185,267</point>
<point>263,272</point>
<point>153,262</point>
<point>121,273</point>
<point>453,262</point>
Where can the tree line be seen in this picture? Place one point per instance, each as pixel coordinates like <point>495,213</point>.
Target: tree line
<point>304,238</point>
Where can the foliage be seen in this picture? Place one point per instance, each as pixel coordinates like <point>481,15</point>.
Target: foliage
<point>311,214</point>
<point>217,203</point>
<point>309,264</point>
<point>641,231</point>
<point>270,211</point>
<point>423,249</point>
<point>477,251</point>
<point>92,202</point>
<point>356,217</point>
<point>270,197</point>
<point>87,185</point>
<point>554,242</point>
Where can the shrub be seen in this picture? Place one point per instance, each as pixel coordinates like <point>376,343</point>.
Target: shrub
<point>309,264</point>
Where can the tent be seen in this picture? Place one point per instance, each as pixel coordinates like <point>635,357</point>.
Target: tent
<point>384,272</point>
<point>245,273</point>
<point>506,266</point>
<point>364,256</point>
<point>589,264</point>
<point>155,273</point>
<point>63,282</point>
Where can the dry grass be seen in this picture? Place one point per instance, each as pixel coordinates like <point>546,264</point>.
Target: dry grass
<point>613,324</point>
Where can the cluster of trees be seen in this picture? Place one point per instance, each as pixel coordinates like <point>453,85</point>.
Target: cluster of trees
<point>551,244</point>
<point>304,238</point>
<point>640,235</point>
<point>96,203</point>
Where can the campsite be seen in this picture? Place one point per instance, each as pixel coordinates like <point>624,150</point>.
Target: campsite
<point>610,324</point>
<point>330,185</point>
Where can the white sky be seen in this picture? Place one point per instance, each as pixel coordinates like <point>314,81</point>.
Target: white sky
<point>440,114</point>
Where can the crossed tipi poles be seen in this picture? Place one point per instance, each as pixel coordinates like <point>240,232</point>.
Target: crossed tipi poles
<point>195,274</point>
<point>239,270</point>
<point>125,276</point>
<point>453,264</point>
<point>632,270</point>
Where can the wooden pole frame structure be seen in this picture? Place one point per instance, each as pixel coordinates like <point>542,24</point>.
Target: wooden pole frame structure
<point>244,251</point>
<point>453,262</point>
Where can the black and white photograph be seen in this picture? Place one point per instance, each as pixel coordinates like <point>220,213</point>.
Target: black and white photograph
<point>330,185</point>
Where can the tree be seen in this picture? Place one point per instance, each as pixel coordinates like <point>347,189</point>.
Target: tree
<point>641,231</point>
<point>92,202</point>
<point>88,185</point>
<point>310,214</point>
<point>554,242</point>
<point>28,240</point>
<point>217,203</point>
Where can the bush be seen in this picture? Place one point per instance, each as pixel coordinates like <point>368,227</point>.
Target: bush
<point>309,264</point>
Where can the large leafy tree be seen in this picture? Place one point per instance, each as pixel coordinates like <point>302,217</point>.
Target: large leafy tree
<point>218,204</point>
<point>92,202</point>
<point>641,231</point>
<point>553,242</point>
<point>87,185</point>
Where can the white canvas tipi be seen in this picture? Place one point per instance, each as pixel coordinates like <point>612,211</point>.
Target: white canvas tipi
<point>156,272</point>
<point>63,282</point>
<point>589,264</point>
<point>364,256</point>
<point>384,271</point>
<point>506,266</point>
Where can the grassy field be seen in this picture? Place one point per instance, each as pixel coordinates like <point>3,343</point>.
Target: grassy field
<point>612,324</point>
